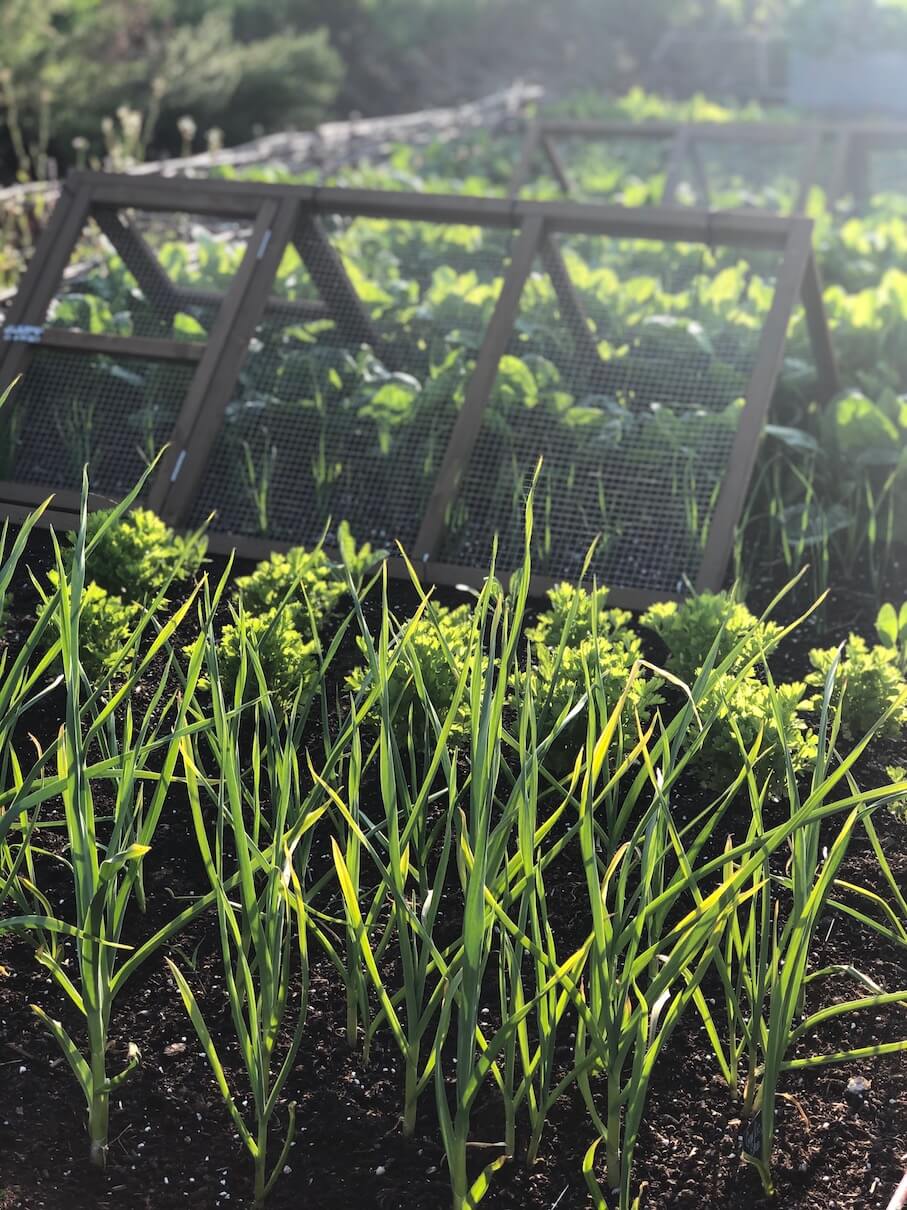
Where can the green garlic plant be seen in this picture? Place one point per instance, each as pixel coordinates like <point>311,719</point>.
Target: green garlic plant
<point>255,854</point>
<point>138,756</point>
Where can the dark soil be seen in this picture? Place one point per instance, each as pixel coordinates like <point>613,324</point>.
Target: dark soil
<point>172,1144</point>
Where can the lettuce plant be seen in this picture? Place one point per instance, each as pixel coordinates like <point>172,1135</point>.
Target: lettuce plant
<point>898,806</point>
<point>139,553</point>
<point>278,603</point>
<point>690,630</point>
<point>575,614</point>
<point>295,577</point>
<point>869,683</point>
<point>745,706</point>
<point>602,667</point>
<point>891,627</point>
<point>436,645</point>
<point>305,579</point>
<point>580,646</point>
<point>288,654</point>
<point>106,623</point>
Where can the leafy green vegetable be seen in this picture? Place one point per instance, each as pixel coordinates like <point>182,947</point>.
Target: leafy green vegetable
<point>139,554</point>
<point>692,629</point>
<point>868,685</point>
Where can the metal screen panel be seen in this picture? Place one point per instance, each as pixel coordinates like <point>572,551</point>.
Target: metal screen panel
<point>165,279</point>
<point>887,171</point>
<point>635,420</point>
<point>875,165</point>
<point>726,173</point>
<point>716,165</point>
<point>71,408</point>
<point>346,413</point>
<point>110,344</point>
<point>627,169</point>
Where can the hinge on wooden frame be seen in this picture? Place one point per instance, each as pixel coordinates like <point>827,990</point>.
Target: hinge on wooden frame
<point>178,466</point>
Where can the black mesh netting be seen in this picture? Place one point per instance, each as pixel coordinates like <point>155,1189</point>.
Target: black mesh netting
<point>74,408</point>
<point>726,173</point>
<point>352,385</point>
<point>634,426</point>
<point>625,169</point>
<point>135,273</point>
<point>885,173</point>
<point>625,372</point>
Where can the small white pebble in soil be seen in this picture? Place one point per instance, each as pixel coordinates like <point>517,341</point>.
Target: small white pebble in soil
<point>287,1169</point>
<point>432,1170</point>
<point>22,1070</point>
<point>380,1170</point>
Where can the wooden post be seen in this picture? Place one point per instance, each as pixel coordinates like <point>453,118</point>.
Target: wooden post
<point>819,332</point>
<point>523,166</point>
<point>140,261</point>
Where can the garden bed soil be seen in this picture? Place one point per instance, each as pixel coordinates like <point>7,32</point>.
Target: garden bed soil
<point>172,1144</point>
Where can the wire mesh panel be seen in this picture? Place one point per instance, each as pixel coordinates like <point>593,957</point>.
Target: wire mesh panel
<point>346,400</point>
<point>716,165</point>
<point>887,172</point>
<point>155,275</point>
<point>625,168</point>
<point>880,171</point>
<point>113,343</point>
<point>73,409</point>
<point>725,173</point>
<point>626,377</point>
